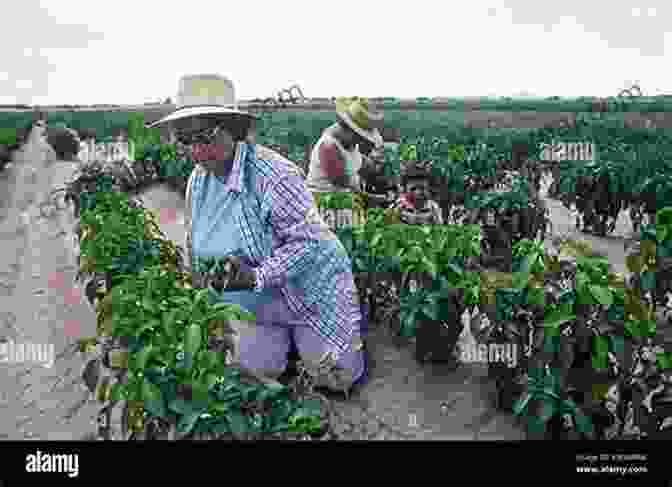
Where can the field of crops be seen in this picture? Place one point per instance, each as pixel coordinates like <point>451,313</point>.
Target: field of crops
<point>11,139</point>
<point>593,365</point>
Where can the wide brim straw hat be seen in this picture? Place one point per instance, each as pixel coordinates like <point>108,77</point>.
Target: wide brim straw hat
<point>356,114</point>
<point>205,95</point>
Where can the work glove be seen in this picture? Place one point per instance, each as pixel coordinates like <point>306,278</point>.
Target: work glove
<point>233,277</point>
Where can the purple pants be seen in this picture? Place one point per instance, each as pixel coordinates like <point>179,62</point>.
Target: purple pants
<point>265,346</point>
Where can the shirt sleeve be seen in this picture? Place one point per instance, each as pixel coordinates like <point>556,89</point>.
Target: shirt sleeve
<point>290,207</point>
<point>332,161</point>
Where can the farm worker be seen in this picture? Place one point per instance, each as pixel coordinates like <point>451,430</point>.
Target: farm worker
<point>336,158</point>
<point>250,207</point>
<point>414,205</point>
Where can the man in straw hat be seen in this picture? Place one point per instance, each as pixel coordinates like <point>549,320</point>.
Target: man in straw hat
<point>249,206</point>
<point>336,159</point>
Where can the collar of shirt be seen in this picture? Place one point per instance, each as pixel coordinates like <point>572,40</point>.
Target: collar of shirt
<point>244,152</point>
<point>246,155</point>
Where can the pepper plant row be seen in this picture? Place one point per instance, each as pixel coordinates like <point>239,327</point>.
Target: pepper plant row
<point>159,365</point>
<point>580,309</point>
<point>421,109</point>
<point>631,171</point>
<point>592,366</point>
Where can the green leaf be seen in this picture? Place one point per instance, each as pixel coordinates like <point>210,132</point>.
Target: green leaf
<point>648,280</point>
<point>153,399</point>
<point>192,341</point>
<point>180,302</point>
<point>237,422</point>
<point>557,318</point>
<point>552,342</point>
<point>600,359</point>
<point>169,320</point>
<point>583,423</point>
<point>430,266</point>
<point>310,408</point>
<point>142,357</point>
<point>375,240</point>
<point>664,360</point>
<point>188,421</point>
<point>431,311</point>
<point>520,279</point>
<point>407,324</point>
<point>147,326</point>
<point>602,295</point>
<point>182,407</point>
<point>210,360</point>
<point>149,305</point>
<point>455,268</point>
<point>536,296</point>
<point>220,407</point>
<point>117,392</point>
<point>551,391</point>
<point>547,409</point>
<point>567,406</point>
<point>220,427</point>
<point>526,265</point>
<point>521,404</point>
<point>275,388</point>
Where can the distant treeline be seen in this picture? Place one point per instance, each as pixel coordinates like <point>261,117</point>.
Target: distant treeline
<point>69,107</point>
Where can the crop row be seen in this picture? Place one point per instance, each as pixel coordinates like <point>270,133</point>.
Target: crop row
<point>629,171</point>
<point>585,331</point>
<point>163,363</point>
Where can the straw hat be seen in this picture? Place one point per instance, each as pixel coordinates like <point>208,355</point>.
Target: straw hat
<point>355,113</point>
<point>204,94</point>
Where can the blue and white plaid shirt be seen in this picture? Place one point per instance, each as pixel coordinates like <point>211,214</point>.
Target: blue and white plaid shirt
<point>286,240</point>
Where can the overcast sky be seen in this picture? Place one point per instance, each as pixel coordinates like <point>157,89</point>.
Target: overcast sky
<point>85,52</point>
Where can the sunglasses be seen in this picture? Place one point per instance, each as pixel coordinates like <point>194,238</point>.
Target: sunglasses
<point>197,136</point>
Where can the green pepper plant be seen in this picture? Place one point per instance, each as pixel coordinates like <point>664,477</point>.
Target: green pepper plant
<point>170,341</point>
<point>589,353</point>
<point>179,372</point>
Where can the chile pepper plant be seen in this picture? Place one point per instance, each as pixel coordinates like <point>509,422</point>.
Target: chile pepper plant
<point>579,340</point>
<point>164,341</point>
<point>177,343</point>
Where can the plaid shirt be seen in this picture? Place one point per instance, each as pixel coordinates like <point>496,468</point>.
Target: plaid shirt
<point>288,243</point>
